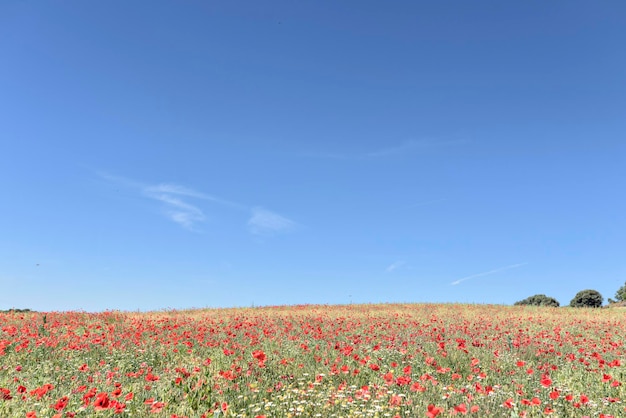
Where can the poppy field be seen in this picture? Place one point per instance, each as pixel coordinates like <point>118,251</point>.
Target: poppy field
<point>396,360</point>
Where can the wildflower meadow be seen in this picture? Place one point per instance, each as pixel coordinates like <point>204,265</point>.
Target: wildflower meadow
<point>396,360</point>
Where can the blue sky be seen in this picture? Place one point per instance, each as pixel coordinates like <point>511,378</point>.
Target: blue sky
<point>169,154</point>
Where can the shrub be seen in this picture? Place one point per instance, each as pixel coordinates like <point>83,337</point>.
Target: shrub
<point>539,300</point>
<point>587,299</point>
<point>620,295</point>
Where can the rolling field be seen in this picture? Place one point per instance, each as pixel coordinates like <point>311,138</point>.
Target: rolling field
<point>404,360</point>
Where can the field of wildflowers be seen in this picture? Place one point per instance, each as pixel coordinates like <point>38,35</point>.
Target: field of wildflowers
<point>404,360</point>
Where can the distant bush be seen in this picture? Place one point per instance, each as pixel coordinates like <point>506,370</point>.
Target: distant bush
<point>620,295</point>
<point>539,300</point>
<point>587,299</point>
<point>15,310</point>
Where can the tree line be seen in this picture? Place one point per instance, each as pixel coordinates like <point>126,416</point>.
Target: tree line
<point>587,298</point>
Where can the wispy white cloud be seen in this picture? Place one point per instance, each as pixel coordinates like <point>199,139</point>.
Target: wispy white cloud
<point>394,266</point>
<point>179,206</point>
<point>179,211</point>
<point>175,199</point>
<point>175,189</point>
<point>487,273</point>
<point>265,222</point>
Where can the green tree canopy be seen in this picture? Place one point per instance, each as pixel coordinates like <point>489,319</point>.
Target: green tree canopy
<point>620,295</point>
<point>587,299</point>
<point>539,300</point>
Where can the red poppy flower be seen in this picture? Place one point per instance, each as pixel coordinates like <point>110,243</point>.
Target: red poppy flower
<point>5,394</point>
<point>61,403</point>
<point>102,402</point>
<point>433,411</point>
<point>259,355</point>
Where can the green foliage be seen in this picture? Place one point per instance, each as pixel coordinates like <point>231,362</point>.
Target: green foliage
<point>539,300</point>
<point>620,295</point>
<point>587,299</point>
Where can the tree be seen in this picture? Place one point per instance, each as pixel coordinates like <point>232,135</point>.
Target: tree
<point>587,299</point>
<point>620,295</point>
<point>539,300</point>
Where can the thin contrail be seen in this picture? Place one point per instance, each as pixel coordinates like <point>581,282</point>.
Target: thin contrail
<point>486,273</point>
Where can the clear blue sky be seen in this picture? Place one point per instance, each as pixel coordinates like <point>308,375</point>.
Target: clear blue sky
<point>169,154</point>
